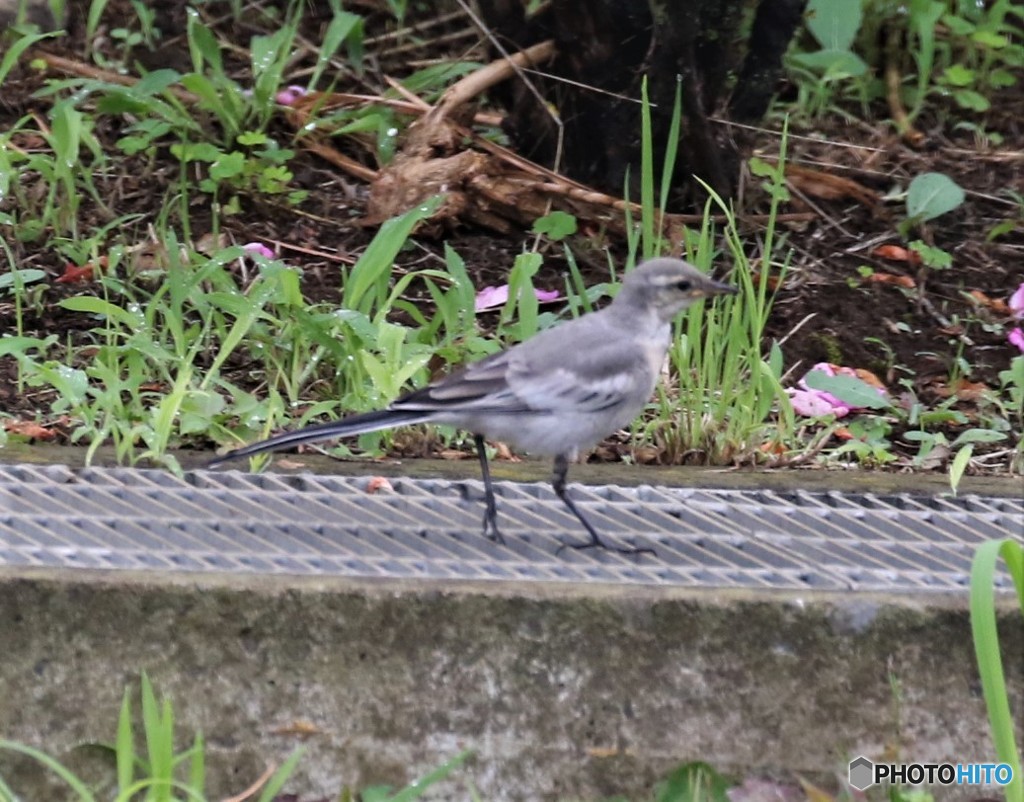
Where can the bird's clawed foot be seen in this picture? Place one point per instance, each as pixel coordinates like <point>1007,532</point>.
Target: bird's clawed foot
<point>491,525</point>
<point>597,543</point>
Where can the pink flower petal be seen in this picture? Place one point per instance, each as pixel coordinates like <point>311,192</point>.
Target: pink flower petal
<point>813,404</point>
<point>1016,337</point>
<point>491,298</point>
<point>494,297</point>
<point>1017,303</point>
<point>258,248</point>
<point>825,367</point>
<point>288,95</point>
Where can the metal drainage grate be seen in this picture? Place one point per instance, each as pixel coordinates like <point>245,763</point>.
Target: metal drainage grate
<point>229,521</point>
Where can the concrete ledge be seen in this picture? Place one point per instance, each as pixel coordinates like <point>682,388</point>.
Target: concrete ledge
<point>563,691</point>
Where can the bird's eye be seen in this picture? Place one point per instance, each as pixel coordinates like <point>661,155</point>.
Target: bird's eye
<point>684,285</point>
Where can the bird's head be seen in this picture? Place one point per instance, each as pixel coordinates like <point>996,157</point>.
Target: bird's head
<point>666,287</point>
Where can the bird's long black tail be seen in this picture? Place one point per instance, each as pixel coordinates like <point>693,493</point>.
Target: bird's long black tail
<point>352,425</point>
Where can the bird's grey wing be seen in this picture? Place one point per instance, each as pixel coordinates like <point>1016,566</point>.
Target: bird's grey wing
<point>580,366</point>
<point>587,365</point>
<point>609,379</point>
<point>480,386</point>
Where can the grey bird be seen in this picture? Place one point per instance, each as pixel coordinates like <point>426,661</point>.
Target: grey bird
<point>554,394</point>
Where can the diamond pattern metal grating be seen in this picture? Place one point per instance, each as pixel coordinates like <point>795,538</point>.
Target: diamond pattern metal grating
<point>102,518</point>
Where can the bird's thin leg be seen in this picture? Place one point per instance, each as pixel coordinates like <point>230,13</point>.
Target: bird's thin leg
<point>491,509</point>
<point>558,477</point>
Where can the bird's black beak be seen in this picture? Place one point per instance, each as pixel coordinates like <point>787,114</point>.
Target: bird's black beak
<point>720,288</point>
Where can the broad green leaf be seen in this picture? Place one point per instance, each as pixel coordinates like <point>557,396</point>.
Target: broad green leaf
<point>848,389</point>
<point>834,23</point>
<point>202,86</point>
<point>931,195</point>
<point>958,25</point>
<point>228,165</point>
<point>969,99</point>
<point>19,346</point>
<point>90,304</point>
<point>204,403</point>
<point>958,75</point>
<point>996,41</point>
<point>1000,78</point>
<point>26,275</point>
<point>979,436</point>
<point>556,226</point>
<point>196,151</point>
<point>202,43</point>
<point>832,63</point>
<point>155,82</point>
<point>959,465</point>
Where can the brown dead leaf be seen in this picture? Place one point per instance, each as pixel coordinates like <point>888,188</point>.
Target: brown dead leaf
<point>814,793</point>
<point>29,429</point>
<point>74,274</point>
<point>868,377</point>
<point>148,257</point>
<point>897,253</point>
<point>379,484</point>
<point>28,140</point>
<point>606,751</point>
<point>772,281</point>
<point>996,305</point>
<point>963,389</point>
<point>890,278</point>
<point>300,727</point>
<point>453,454</point>
<point>211,243</point>
<point>827,186</point>
<point>936,458</point>
<point>643,455</point>
<point>503,452</point>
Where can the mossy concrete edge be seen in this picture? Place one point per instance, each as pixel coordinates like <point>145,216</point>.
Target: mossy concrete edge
<point>562,691</point>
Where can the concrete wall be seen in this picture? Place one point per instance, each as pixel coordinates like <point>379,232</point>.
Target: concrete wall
<point>563,692</point>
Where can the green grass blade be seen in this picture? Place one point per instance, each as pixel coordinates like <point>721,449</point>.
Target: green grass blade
<point>280,777</point>
<point>373,269</point>
<point>343,25</point>
<point>646,175</point>
<point>6,794</point>
<point>125,745</point>
<point>986,644</point>
<point>79,787</point>
<point>197,766</point>
<point>668,168</point>
<point>417,788</point>
<point>15,51</point>
<point>158,723</point>
<point>92,20</point>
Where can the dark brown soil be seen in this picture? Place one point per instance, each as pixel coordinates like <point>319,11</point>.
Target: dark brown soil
<point>918,340</point>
